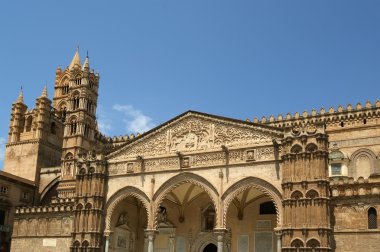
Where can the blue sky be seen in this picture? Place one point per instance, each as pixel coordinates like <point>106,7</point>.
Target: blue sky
<point>157,59</point>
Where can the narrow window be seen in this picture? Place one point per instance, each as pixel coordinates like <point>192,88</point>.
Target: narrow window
<point>2,217</point>
<point>53,128</point>
<point>372,218</point>
<point>365,121</point>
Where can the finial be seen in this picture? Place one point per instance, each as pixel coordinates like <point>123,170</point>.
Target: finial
<point>44,92</point>
<point>20,98</point>
<point>87,54</point>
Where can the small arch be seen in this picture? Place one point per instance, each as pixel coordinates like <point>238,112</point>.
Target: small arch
<point>121,195</point>
<point>296,149</point>
<point>296,195</point>
<point>88,206</point>
<point>28,124</point>
<point>91,170</point>
<point>297,243</point>
<point>313,243</point>
<point>79,206</point>
<point>364,158</point>
<point>75,246</point>
<point>252,182</point>
<point>372,218</point>
<point>82,171</point>
<point>69,156</point>
<point>311,147</point>
<point>312,194</point>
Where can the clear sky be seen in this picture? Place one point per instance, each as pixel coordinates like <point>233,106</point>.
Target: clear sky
<point>157,59</point>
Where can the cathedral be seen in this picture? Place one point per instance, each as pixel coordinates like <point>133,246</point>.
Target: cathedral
<point>306,181</point>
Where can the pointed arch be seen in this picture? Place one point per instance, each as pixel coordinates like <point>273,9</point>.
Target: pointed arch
<point>313,243</point>
<point>252,182</point>
<point>182,178</point>
<point>297,243</point>
<point>122,194</point>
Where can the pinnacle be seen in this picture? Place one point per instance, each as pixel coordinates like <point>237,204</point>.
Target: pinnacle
<point>20,98</point>
<point>86,64</point>
<point>76,60</point>
<point>44,92</point>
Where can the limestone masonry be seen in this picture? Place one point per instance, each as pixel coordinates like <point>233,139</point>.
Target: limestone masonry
<point>197,183</point>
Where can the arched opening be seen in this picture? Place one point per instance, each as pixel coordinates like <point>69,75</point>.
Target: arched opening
<point>190,213</point>
<point>128,223</point>
<point>252,216</point>
<point>28,126</point>
<point>186,210</point>
<point>210,248</point>
<point>252,212</point>
<point>372,218</point>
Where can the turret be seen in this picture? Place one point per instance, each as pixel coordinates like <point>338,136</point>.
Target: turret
<point>43,107</point>
<point>17,119</point>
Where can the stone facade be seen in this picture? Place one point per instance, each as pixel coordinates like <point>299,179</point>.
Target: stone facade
<point>199,182</point>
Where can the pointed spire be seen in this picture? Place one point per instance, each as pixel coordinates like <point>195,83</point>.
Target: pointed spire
<point>76,60</point>
<point>20,98</point>
<point>44,92</point>
<point>86,65</point>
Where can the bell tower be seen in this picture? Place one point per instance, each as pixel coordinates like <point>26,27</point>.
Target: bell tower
<point>76,95</point>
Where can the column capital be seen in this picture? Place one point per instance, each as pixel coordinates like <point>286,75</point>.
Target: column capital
<point>107,233</point>
<point>278,231</point>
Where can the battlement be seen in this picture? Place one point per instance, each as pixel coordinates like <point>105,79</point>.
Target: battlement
<point>329,116</point>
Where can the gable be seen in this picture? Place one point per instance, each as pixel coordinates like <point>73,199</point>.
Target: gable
<point>195,132</point>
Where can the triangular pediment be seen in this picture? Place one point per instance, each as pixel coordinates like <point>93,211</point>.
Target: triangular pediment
<point>196,132</point>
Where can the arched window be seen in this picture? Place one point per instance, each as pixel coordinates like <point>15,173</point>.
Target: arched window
<point>313,243</point>
<point>65,89</point>
<point>85,245</point>
<point>76,103</point>
<point>73,127</point>
<point>28,126</point>
<point>63,114</point>
<point>296,149</point>
<point>75,247</point>
<point>86,130</point>
<point>311,147</point>
<point>208,216</point>
<point>297,243</point>
<point>296,195</point>
<point>372,218</point>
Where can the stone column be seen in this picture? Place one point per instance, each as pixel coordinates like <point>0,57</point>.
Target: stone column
<point>106,246</point>
<point>151,235</point>
<point>220,238</point>
<point>278,233</point>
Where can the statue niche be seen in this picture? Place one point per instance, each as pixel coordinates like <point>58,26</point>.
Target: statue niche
<point>123,236</point>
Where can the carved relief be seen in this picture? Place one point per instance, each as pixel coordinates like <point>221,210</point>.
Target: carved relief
<point>194,133</point>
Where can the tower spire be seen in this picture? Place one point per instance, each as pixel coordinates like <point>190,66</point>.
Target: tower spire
<point>20,98</point>
<point>44,92</point>
<point>86,64</point>
<point>76,60</point>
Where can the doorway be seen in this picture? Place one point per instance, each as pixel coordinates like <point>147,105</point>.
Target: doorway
<point>210,248</point>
